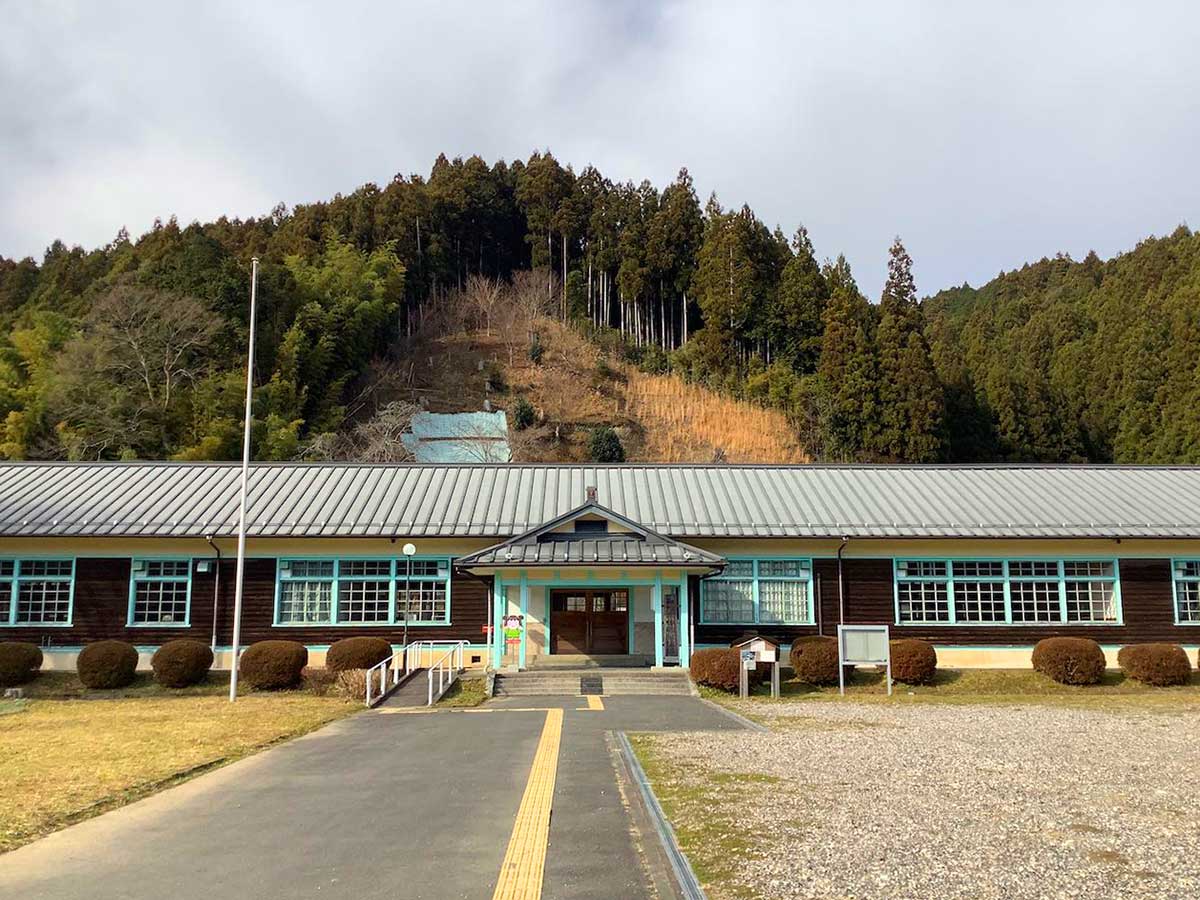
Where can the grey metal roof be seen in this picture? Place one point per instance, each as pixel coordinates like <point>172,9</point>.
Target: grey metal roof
<point>547,546</point>
<point>336,499</point>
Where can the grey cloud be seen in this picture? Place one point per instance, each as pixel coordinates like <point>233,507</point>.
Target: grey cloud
<point>986,137</point>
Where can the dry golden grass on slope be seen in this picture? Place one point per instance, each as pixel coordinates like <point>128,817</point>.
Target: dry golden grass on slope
<point>660,418</point>
<point>686,423</point>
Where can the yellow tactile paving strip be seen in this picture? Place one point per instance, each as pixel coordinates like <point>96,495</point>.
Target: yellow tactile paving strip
<point>525,860</point>
<point>595,702</point>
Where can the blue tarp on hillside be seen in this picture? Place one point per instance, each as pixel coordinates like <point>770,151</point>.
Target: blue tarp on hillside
<point>459,437</point>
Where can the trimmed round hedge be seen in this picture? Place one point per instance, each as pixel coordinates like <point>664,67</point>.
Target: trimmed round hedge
<point>357,653</point>
<point>180,664</point>
<point>1158,664</point>
<point>272,665</point>
<point>107,664</point>
<point>720,667</point>
<point>815,659</point>
<point>1069,660</point>
<point>913,661</point>
<point>19,661</point>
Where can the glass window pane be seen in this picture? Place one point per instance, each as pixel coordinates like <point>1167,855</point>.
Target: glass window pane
<point>782,568</point>
<point>363,601</point>
<point>422,568</point>
<point>7,568</point>
<point>916,568</point>
<point>5,600</point>
<point>46,602</point>
<point>1035,601</point>
<point>979,601</point>
<point>1091,601</point>
<point>923,601</point>
<point>1087,569</point>
<point>1187,594</point>
<point>619,601</point>
<point>783,601</point>
<point>728,601</point>
<point>167,568</point>
<point>310,568</point>
<point>1033,568</point>
<point>1190,568</point>
<point>739,568</point>
<point>304,601</point>
<point>426,601</point>
<point>160,602</point>
<point>978,569</point>
<point>46,567</point>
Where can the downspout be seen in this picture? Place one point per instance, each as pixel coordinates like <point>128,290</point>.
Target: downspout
<point>842,582</point>
<point>216,591</point>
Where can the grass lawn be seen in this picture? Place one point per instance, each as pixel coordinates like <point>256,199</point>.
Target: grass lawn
<point>66,760</point>
<point>974,686</point>
<point>464,692</point>
<point>67,686</point>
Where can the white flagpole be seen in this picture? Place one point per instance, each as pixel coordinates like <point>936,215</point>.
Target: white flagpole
<point>241,550</point>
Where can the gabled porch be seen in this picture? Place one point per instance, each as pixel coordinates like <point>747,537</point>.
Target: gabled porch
<point>588,585</point>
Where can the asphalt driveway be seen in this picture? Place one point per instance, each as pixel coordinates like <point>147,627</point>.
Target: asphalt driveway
<point>377,805</point>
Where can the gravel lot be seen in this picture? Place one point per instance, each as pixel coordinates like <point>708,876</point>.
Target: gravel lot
<point>930,801</point>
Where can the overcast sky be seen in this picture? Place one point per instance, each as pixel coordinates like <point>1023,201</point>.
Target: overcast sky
<point>984,135</point>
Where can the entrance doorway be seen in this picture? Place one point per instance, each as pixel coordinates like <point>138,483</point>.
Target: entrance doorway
<point>587,621</point>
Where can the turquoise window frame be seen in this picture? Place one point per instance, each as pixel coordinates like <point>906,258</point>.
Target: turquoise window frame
<point>1177,578</point>
<point>1008,579</point>
<point>13,584</point>
<point>134,578</point>
<point>756,579</point>
<point>397,579</point>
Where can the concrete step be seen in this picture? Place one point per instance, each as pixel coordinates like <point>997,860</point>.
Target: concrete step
<point>589,681</point>
<point>553,661</point>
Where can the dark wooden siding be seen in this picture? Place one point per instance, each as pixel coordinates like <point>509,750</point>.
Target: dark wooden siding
<point>1146,599</point>
<point>102,607</point>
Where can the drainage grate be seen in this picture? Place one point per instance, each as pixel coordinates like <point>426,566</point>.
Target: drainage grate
<point>591,684</point>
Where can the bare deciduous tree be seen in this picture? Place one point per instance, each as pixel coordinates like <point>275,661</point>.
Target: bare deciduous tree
<point>378,439</point>
<point>483,295</point>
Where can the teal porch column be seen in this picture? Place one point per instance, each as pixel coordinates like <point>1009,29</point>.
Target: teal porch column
<point>656,605</point>
<point>685,648</point>
<point>524,616</point>
<point>498,611</point>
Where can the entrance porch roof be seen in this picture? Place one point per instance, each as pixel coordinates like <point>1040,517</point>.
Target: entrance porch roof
<point>605,539</point>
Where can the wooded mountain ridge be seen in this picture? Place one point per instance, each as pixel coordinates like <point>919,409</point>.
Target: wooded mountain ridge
<point>134,350</point>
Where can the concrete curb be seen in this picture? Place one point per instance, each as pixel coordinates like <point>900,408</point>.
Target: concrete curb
<point>737,717</point>
<point>685,878</point>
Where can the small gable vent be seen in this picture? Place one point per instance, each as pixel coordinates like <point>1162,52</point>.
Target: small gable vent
<point>591,494</point>
<point>591,526</point>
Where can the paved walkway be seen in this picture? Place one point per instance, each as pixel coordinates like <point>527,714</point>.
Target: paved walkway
<point>395,805</point>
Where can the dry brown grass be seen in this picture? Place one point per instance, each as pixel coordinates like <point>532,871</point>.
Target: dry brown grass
<point>687,423</point>
<point>61,761</point>
<point>661,418</point>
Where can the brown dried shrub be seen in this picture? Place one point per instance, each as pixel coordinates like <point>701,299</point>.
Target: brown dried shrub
<point>1158,664</point>
<point>720,667</point>
<point>351,684</point>
<point>815,659</point>
<point>19,662</point>
<point>316,680</point>
<point>913,661</point>
<point>179,664</point>
<point>1069,660</point>
<point>107,664</point>
<point>271,665</point>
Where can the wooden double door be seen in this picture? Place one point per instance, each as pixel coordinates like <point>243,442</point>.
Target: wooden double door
<point>588,621</point>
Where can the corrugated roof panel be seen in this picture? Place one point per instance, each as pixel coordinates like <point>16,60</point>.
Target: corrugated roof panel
<point>503,500</point>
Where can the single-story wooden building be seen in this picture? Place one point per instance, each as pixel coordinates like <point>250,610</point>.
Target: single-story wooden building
<point>645,561</point>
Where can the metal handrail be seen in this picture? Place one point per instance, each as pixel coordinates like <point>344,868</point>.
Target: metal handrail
<point>408,659</point>
<point>447,666</point>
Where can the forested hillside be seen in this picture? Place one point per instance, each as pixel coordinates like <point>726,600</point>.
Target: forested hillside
<point>134,350</point>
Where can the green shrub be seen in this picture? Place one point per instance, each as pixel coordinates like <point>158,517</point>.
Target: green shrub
<point>604,446</point>
<point>271,665</point>
<point>107,664</point>
<point>357,653</point>
<point>537,349</point>
<point>913,661</point>
<point>1157,664</point>
<point>655,362</point>
<point>1069,660</point>
<point>179,664</point>
<point>815,659</point>
<point>19,661</point>
<point>494,375</point>
<point>523,414</point>
<point>720,667</point>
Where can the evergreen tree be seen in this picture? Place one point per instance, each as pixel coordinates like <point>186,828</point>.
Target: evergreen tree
<point>910,396</point>
<point>795,319</point>
<point>847,370</point>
